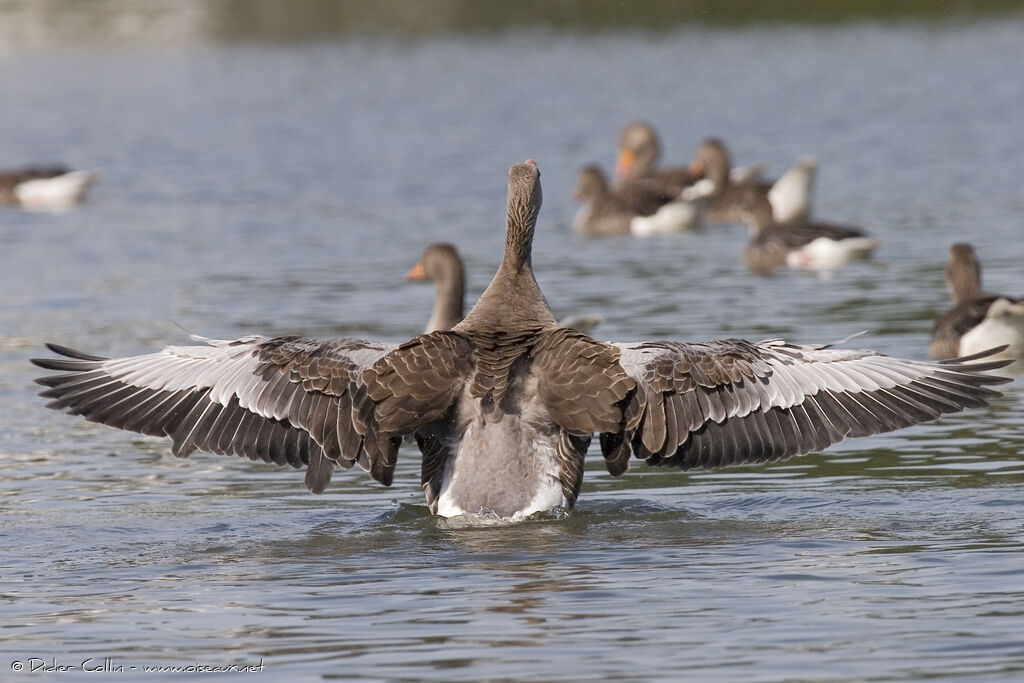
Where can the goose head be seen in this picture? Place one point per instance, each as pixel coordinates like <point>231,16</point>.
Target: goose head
<point>638,151</point>
<point>590,184</point>
<point>712,162</point>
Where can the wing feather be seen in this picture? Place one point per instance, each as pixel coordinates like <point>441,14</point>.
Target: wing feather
<point>286,400</point>
<point>733,401</point>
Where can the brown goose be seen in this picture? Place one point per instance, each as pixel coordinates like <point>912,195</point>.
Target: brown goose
<point>636,161</point>
<point>442,265</point>
<point>632,209</point>
<point>503,407</point>
<point>977,320</point>
<point>51,188</point>
<point>728,197</point>
<point>805,245</point>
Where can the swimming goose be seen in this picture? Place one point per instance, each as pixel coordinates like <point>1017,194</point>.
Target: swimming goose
<point>633,209</point>
<point>45,188</point>
<point>728,197</point>
<point>977,319</point>
<point>804,245</point>
<point>636,164</point>
<point>503,406</point>
<point>636,160</point>
<point>442,265</point>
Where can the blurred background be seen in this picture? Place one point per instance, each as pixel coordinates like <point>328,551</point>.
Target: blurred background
<point>271,167</point>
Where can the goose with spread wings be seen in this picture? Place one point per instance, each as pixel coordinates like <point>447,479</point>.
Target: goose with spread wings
<point>503,406</point>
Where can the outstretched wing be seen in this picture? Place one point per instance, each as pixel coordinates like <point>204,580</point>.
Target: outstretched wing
<point>287,400</point>
<point>732,401</point>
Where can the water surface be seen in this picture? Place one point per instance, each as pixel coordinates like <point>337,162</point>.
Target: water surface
<point>285,187</point>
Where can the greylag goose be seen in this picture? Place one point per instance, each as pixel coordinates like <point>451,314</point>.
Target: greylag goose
<point>632,210</point>
<point>728,197</point>
<point>503,407</point>
<point>442,265</point>
<point>636,161</point>
<point>636,164</point>
<point>805,245</point>
<point>977,319</point>
<point>45,188</point>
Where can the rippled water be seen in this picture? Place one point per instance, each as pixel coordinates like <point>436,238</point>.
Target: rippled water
<point>287,187</point>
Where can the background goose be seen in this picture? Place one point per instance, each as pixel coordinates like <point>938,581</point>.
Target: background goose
<point>442,265</point>
<point>806,245</point>
<point>728,197</point>
<point>635,209</point>
<point>45,188</point>
<point>637,157</point>
<point>503,406</point>
<point>790,195</point>
<point>977,320</point>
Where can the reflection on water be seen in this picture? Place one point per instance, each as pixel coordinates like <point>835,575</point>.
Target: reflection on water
<point>278,188</point>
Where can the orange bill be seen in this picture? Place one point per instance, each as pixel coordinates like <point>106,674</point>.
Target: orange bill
<point>623,163</point>
<point>417,272</point>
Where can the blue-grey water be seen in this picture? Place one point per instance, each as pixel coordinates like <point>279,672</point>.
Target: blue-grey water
<point>287,186</point>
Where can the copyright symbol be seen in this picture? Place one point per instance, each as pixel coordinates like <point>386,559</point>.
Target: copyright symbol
<point>17,666</point>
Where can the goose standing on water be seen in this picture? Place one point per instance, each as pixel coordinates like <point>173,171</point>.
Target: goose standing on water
<point>45,188</point>
<point>442,265</point>
<point>977,321</point>
<point>503,406</point>
<point>805,245</point>
<point>633,209</point>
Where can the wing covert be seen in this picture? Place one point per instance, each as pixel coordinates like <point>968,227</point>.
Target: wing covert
<point>732,401</point>
<point>286,400</point>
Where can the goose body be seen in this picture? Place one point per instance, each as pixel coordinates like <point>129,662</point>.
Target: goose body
<point>977,320</point>
<point>636,169</point>
<point>728,198</point>
<point>636,162</point>
<point>504,405</point>
<point>45,189</point>
<point>803,245</point>
<point>637,209</point>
